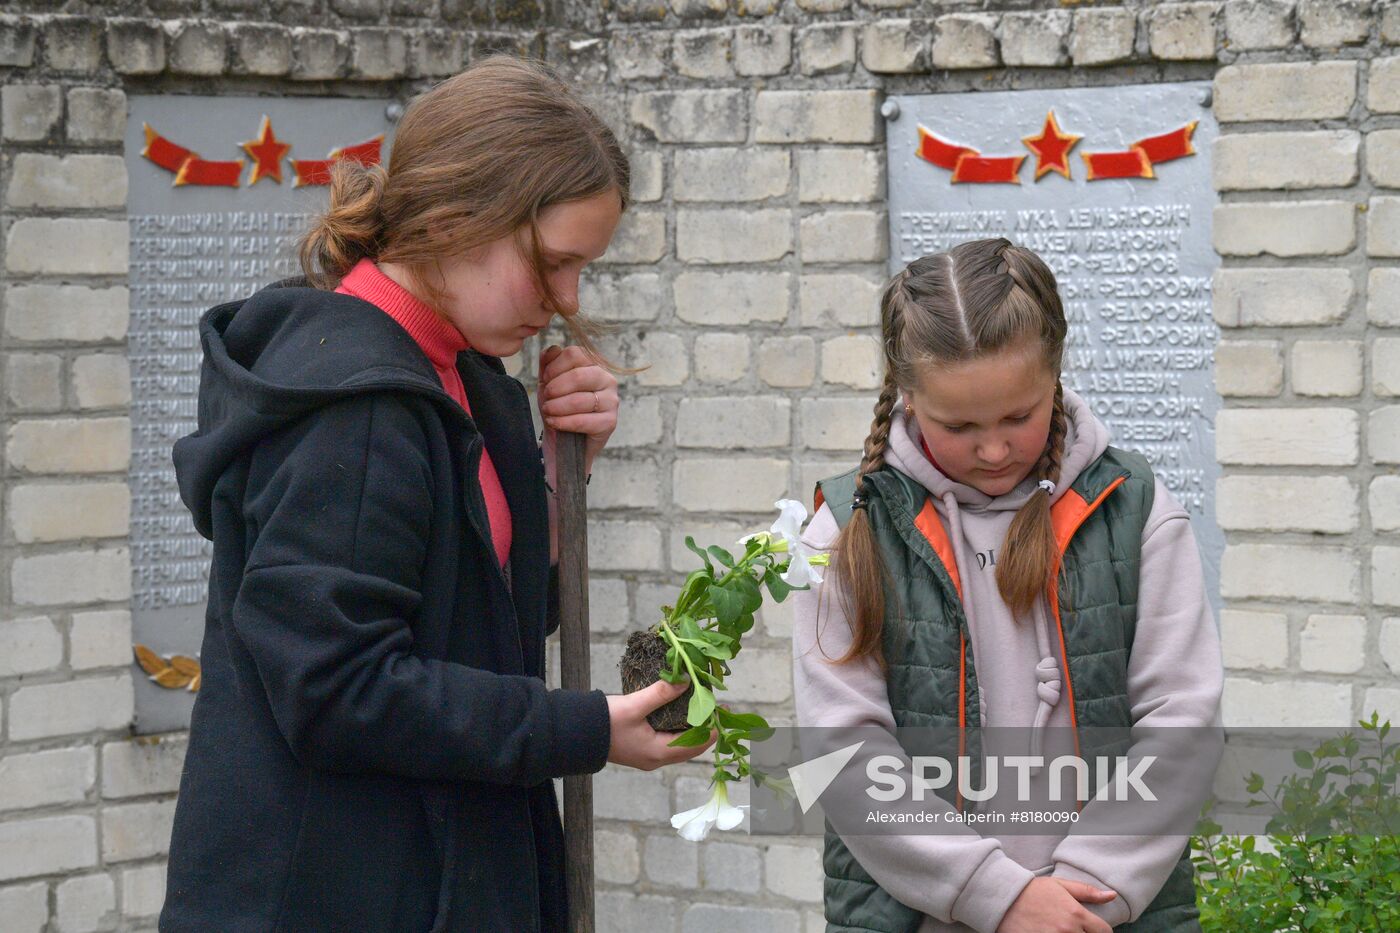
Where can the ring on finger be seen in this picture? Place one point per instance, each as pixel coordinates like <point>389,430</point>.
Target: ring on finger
<point>596,406</point>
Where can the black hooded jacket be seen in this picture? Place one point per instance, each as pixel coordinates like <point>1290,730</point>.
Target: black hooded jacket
<point>373,742</point>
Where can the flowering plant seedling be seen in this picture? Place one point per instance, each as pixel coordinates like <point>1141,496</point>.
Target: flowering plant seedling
<point>701,635</point>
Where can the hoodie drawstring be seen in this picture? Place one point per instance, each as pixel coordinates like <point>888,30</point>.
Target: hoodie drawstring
<point>1047,672</point>
<point>1048,683</point>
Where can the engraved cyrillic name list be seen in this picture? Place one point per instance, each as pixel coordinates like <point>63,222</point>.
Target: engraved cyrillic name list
<point>1141,336</point>
<point>182,265</point>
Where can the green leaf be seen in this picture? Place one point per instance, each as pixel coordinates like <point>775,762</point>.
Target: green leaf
<point>748,590</point>
<point>728,604</point>
<point>695,735</point>
<point>721,555</point>
<point>1302,759</point>
<point>705,675</point>
<point>702,704</point>
<point>740,720</point>
<point>776,587</point>
<point>722,652</point>
<point>696,656</point>
<point>690,543</point>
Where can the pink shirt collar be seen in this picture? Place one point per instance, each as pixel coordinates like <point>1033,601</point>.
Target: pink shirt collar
<point>439,339</point>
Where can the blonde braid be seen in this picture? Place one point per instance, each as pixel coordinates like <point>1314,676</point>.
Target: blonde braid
<point>1048,467</point>
<point>873,457</point>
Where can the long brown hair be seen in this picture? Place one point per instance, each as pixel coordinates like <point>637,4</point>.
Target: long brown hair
<point>978,298</point>
<point>475,159</point>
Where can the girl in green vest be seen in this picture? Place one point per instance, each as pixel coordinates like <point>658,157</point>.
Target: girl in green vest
<point>978,451</point>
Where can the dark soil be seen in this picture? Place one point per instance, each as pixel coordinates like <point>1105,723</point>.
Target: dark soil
<point>641,666</point>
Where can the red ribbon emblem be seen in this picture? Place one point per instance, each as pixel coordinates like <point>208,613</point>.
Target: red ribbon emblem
<point>1137,161</point>
<point>966,163</point>
<point>267,152</point>
<point>1051,149</point>
<point>318,171</point>
<point>188,167</point>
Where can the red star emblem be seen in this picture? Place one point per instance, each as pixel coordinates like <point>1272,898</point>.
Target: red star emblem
<point>267,152</point>
<point>1051,147</point>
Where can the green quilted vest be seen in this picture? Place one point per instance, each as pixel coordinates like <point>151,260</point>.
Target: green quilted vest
<point>931,674</point>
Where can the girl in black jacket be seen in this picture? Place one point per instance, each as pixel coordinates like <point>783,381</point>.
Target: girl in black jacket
<point>373,742</point>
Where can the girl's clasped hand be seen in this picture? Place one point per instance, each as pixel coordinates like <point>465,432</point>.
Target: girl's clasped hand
<point>1056,905</point>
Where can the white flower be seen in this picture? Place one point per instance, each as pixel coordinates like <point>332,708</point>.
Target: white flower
<point>694,825</point>
<point>786,537</point>
<point>800,571</point>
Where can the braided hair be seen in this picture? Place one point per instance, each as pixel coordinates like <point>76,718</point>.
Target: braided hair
<point>975,299</point>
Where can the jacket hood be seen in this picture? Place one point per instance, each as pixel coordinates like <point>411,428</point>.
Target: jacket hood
<point>1086,438</point>
<point>278,355</point>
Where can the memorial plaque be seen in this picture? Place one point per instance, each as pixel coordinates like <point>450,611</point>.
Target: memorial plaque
<point>1112,187</point>
<point>220,190</point>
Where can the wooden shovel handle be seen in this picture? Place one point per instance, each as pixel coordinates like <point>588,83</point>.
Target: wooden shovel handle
<point>574,668</point>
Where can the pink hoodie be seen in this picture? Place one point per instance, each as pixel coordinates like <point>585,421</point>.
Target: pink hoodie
<point>1175,678</point>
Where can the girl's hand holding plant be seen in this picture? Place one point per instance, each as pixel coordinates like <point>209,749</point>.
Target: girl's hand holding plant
<point>702,633</point>
<point>633,742</point>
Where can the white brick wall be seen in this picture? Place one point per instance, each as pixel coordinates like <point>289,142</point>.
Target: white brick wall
<point>1284,436</point>
<point>86,903</point>
<point>68,708</point>
<point>43,246</point>
<point>37,779</point>
<point>1248,367</point>
<point>1255,502</point>
<point>1285,91</point>
<point>730,174</point>
<point>46,845</point>
<point>1333,644</point>
<point>1317,159</point>
<point>1102,36</point>
<point>749,276</point>
<point>29,645</point>
<point>1261,24</point>
<point>729,298</point>
<point>1290,571</point>
<point>136,830</point>
<point>843,236</point>
<point>1254,640</point>
<point>1326,367</point>
<point>1285,228</point>
<point>1291,703</point>
<point>732,235</point>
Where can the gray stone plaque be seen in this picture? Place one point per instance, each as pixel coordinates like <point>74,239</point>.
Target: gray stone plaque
<point>1122,215</point>
<point>210,222</point>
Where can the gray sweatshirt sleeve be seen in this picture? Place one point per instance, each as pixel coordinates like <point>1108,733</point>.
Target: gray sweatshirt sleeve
<point>1175,678</point>
<point>955,878</point>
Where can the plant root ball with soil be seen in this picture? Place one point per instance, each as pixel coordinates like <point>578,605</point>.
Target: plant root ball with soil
<point>641,666</point>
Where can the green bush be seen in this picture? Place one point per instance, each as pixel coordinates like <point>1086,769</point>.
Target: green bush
<point>1335,864</point>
